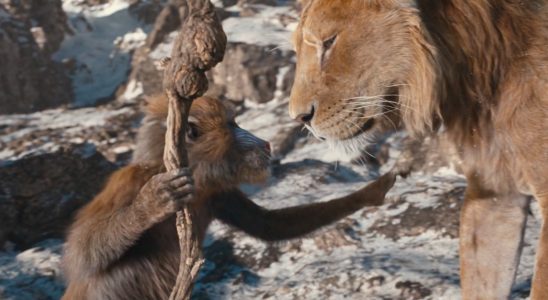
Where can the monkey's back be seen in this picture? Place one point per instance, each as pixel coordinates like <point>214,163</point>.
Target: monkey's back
<point>147,271</point>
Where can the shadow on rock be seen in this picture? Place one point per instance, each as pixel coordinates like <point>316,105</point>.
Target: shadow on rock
<point>223,267</point>
<point>39,194</point>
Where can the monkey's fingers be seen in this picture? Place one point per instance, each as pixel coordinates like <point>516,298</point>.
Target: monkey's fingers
<point>374,193</point>
<point>184,194</point>
<point>180,182</point>
<point>384,183</point>
<point>185,189</point>
<point>182,198</point>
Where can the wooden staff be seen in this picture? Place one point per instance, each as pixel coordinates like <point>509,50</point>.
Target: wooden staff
<point>199,46</point>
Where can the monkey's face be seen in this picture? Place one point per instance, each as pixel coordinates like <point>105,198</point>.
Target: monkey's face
<point>220,152</point>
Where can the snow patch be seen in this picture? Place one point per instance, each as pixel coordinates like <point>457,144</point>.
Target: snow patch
<point>73,121</point>
<point>264,28</point>
<point>104,36</point>
<point>133,90</point>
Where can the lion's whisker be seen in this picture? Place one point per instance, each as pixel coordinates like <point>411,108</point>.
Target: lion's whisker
<point>345,121</point>
<point>376,115</point>
<point>397,84</point>
<point>379,103</point>
<point>390,120</point>
<point>362,115</point>
<point>369,97</point>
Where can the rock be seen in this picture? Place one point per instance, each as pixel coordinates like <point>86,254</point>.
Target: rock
<point>40,194</point>
<point>271,122</point>
<point>249,11</point>
<point>46,18</point>
<point>145,75</point>
<point>222,14</point>
<point>263,2</point>
<point>248,72</point>
<point>413,290</point>
<point>166,18</point>
<point>146,10</point>
<point>109,128</point>
<point>414,220</point>
<point>227,3</point>
<point>32,274</point>
<point>251,72</point>
<point>376,281</point>
<point>249,8</point>
<point>167,21</point>
<point>96,2</point>
<point>29,32</point>
<point>144,71</point>
<point>427,154</point>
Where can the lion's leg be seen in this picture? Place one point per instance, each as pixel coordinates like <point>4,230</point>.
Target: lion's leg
<point>491,233</point>
<point>540,279</point>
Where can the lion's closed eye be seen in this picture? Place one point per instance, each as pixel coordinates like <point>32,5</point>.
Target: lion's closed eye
<point>328,43</point>
<point>327,46</point>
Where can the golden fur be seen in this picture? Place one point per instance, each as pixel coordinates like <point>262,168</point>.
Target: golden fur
<point>476,70</point>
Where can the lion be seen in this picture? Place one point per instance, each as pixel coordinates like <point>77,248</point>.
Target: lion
<point>475,71</point>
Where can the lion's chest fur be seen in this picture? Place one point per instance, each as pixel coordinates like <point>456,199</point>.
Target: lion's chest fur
<point>507,147</point>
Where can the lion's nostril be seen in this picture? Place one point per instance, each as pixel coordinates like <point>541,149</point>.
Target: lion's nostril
<point>307,117</point>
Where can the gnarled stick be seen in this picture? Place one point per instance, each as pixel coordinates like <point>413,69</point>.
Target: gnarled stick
<point>199,46</point>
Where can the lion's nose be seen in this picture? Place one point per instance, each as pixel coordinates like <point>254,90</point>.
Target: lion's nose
<point>307,117</point>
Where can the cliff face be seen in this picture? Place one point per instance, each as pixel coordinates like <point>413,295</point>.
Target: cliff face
<point>30,31</point>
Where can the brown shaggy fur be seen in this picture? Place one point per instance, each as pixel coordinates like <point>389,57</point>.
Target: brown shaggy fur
<point>476,70</point>
<point>124,245</point>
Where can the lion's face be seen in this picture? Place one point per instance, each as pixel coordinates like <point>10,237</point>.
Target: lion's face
<point>355,60</point>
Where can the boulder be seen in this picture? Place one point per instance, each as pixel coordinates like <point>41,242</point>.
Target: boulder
<point>96,2</point>
<point>39,194</point>
<point>146,10</point>
<point>252,72</point>
<point>30,31</point>
<point>248,72</point>
<point>227,3</point>
<point>263,2</point>
<point>46,19</point>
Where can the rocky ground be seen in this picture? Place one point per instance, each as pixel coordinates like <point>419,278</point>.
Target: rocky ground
<point>53,161</point>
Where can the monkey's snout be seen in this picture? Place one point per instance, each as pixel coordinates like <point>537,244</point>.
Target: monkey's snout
<point>268,148</point>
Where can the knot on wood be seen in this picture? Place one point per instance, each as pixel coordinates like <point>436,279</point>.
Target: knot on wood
<point>199,46</point>
<point>187,83</point>
<point>163,63</point>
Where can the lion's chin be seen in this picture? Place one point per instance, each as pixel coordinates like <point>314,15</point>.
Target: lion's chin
<point>352,146</point>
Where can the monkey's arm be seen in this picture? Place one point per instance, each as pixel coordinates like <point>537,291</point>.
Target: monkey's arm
<point>235,209</point>
<point>132,201</point>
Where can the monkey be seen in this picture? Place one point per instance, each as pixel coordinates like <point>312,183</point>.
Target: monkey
<point>124,243</point>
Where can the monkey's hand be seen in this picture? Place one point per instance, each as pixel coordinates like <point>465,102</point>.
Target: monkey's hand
<point>166,193</point>
<point>374,193</point>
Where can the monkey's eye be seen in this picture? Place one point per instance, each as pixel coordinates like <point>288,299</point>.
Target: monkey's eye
<point>192,132</point>
<point>329,42</point>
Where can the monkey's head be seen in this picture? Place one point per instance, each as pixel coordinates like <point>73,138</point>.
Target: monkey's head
<point>219,151</point>
<point>221,154</point>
